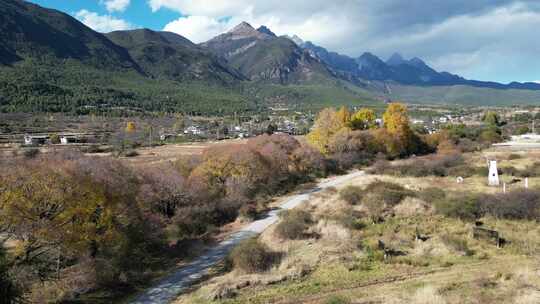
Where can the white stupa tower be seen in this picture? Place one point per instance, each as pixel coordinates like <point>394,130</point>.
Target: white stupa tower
<point>493,178</point>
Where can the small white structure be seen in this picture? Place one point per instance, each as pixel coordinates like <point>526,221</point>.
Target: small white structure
<point>493,178</point>
<point>34,140</point>
<point>193,130</point>
<point>66,140</point>
<point>164,137</point>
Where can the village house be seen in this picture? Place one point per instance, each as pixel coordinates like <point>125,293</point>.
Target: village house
<point>66,139</point>
<point>34,140</point>
<point>193,130</point>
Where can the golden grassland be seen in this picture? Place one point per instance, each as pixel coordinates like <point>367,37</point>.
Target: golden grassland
<point>338,264</point>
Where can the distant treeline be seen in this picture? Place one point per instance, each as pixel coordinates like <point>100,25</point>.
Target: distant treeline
<point>74,88</point>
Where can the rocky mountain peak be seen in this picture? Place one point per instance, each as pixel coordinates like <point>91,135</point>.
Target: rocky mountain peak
<point>265,30</point>
<point>395,59</point>
<point>417,62</point>
<point>297,40</point>
<point>242,28</point>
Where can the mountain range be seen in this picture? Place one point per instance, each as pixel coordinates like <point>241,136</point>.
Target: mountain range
<point>49,61</point>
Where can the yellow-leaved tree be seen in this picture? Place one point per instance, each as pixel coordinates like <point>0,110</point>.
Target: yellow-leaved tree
<point>399,140</point>
<point>343,115</point>
<point>130,127</point>
<point>364,119</point>
<point>396,119</point>
<point>328,123</point>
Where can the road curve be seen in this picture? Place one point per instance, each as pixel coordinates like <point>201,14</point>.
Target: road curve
<point>170,287</point>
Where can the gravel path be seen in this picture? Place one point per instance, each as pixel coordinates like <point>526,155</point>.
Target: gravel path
<point>169,288</point>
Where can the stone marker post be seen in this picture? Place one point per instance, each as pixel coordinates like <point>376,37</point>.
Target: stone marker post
<point>493,178</point>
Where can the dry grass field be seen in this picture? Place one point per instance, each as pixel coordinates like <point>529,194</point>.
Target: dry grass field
<point>146,156</point>
<point>341,261</point>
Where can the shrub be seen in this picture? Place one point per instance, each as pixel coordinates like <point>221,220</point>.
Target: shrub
<point>293,224</point>
<point>31,153</point>
<point>457,243</point>
<point>8,290</point>
<point>531,170</point>
<point>337,300</point>
<point>382,196</point>
<point>388,193</point>
<point>516,205</point>
<point>463,206</point>
<point>381,166</point>
<point>131,153</point>
<point>511,171</point>
<point>351,194</point>
<point>514,156</point>
<point>349,221</point>
<point>430,195</point>
<point>466,145</point>
<point>439,165</point>
<point>251,256</point>
<point>93,149</point>
<point>248,212</point>
<point>55,139</point>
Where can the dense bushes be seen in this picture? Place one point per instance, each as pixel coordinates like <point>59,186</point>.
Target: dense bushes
<point>8,291</point>
<point>351,194</point>
<point>457,243</point>
<point>293,224</point>
<point>380,196</point>
<point>64,209</point>
<point>523,204</point>
<point>251,256</point>
<point>515,205</point>
<point>387,193</point>
<point>464,206</point>
<point>437,165</point>
<point>111,221</point>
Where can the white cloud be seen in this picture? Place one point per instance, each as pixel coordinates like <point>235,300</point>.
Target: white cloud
<point>196,28</point>
<point>211,8</point>
<point>315,20</point>
<point>536,81</point>
<point>116,5</point>
<point>102,23</point>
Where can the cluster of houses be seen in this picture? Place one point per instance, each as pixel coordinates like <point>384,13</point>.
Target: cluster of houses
<point>243,129</point>
<point>63,139</point>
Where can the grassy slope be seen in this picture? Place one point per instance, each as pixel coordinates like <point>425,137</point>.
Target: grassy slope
<point>437,275</point>
<point>464,95</point>
<point>313,96</point>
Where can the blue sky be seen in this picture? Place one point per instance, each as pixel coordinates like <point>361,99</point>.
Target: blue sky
<point>138,13</point>
<point>480,39</point>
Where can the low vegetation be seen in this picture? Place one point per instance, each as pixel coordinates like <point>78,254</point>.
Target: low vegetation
<point>293,224</point>
<point>403,239</point>
<point>251,256</point>
<point>351,194</point>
